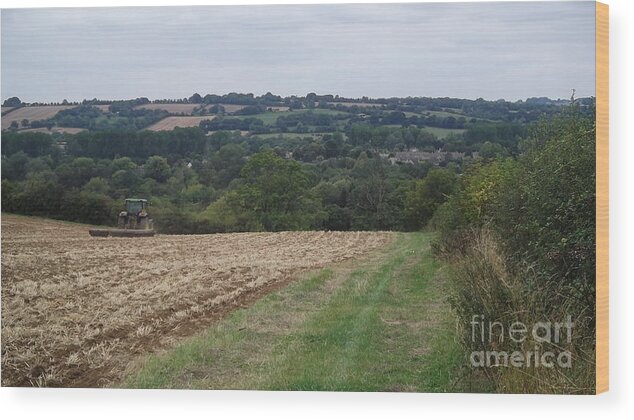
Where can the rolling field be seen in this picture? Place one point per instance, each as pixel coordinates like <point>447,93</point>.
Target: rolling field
<point>177,109</point>
<point>170,123</point>
<point>279,108</point>
<point>187,109</point>
<point>359,104</point>
<point>68,130</point>
<point>76,310</point>
<point>32,113</point>
<point>444,114</point>
<point>270,117</point>
<point>287,136</point>
<point>230,108</point>
<point>441,133</point>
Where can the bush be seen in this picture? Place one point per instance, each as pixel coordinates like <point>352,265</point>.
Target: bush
<point>485,285</point>
<point>227,215</point>
<point>520,234</point>
<point>429,193</point>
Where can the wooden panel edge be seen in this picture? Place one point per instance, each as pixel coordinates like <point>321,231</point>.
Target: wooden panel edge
<point>602,196</point>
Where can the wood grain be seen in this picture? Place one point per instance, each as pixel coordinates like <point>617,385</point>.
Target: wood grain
<point>603,194</point>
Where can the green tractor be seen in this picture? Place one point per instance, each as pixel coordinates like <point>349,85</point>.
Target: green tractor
<point>134,221</point>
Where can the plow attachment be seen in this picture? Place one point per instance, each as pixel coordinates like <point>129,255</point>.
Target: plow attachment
<point>123,233</point>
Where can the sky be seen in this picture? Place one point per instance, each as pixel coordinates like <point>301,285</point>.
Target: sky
<point>468,50</point>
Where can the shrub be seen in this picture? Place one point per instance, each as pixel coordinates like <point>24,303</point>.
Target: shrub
<point>485,285</point>
<point>520,234</point>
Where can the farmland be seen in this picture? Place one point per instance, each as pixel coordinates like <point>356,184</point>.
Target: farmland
<point>189,108</point>
<point>270,117</point>
<point>170,123</point>
<point>231,108</point>
<point>77,310</point>
<point>69,130</point>
<point>175,109</point>
<point>358,104</point>
<point>376,323</point>
<point>312,304</point>
<point>32,113</point>
<point>441,133</point>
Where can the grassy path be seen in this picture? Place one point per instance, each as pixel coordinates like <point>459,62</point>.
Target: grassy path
<point>377,324</point>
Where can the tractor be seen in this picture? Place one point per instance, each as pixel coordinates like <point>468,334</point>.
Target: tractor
<point>134,221</point>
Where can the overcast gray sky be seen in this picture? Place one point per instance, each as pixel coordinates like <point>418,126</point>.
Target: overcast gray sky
<point>467,50</point>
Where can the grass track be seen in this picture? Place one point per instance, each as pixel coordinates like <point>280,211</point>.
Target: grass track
<point>377,324</point>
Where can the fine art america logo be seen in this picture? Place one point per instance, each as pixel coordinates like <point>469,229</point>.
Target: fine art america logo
<point>545,335</point>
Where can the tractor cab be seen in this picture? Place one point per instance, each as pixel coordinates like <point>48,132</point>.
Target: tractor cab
<point>135,205</point>
<point>133,221</point>
<point>135,215</point>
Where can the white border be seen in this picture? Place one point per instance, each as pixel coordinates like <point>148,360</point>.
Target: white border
<point>618,402</point>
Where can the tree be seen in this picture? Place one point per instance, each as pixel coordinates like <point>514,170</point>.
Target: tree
<point>490,150</point>
<point>310,100</point>
<point>76,173</point>
<point>8,191</point>
<point>14,168</point>
<point>87,207</point>
<point>124,163</point>
<point>228,162</point>
<point>195,99</point>
<point>369,194</point>
<point>274,189</point>
<point>157,168</point>
<point>228,214</point>
<point>197,194</point>
<point>97,186</point>
<point>337,218</point>
<point>422,201</point>
<point>333,145</point>
<point>125,182</point>
<point>33,144</point>
<point>39,195</point>
<point>558,202</point>
<point>12,102</point>
<point>39,164</point>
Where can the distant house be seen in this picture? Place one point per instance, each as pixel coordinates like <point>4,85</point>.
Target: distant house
<point>435,158</point>
<point>415,156</point>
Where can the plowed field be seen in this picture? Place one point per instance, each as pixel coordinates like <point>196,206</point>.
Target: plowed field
<point>76,310</point>
<point>32,113</point>
<point>170,123</point>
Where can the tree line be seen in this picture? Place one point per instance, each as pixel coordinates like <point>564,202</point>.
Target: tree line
<point>219,183</point>
<point>519,233</point>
